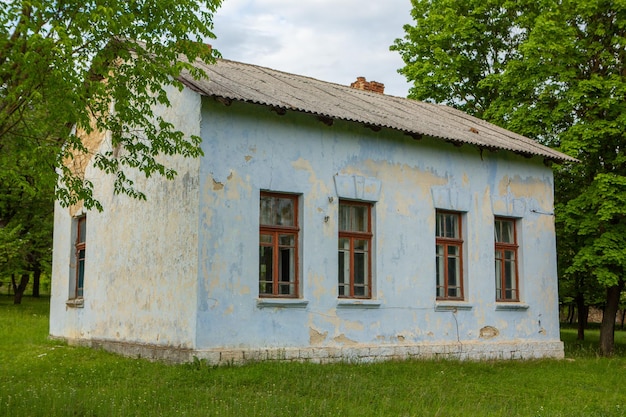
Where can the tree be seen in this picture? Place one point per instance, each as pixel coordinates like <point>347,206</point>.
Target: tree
<point>71,67</point>
<point>554,71</point>
<point>26,220</point>
<point>457,50</point>
<point>27,183</point>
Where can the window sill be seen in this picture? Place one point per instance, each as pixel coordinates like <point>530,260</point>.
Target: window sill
<point>512,306</point>
<point>281,302</point>
<point>357,303</point>
<point>75,303</point>
<point>452,305</point>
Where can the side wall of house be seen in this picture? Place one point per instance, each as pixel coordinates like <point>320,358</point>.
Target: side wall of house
<point>141,256</point>
<point>249,148</point>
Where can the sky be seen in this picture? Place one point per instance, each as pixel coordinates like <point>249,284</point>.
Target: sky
<point>331,40</point>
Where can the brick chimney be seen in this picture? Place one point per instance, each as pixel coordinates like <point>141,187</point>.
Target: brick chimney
<point>362,84</point>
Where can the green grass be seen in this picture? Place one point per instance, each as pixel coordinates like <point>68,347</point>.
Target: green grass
<point>41,377</point>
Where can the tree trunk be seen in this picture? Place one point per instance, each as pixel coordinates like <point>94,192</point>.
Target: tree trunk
<point>18,290</point>
<point>607,329</point>
<point>623,317</point>
<point>36,276</point>
<point>583,315</point>
<point>570,313</point>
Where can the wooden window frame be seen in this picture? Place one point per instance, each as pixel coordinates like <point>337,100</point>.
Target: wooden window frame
<point>352,236</point>
<point>446,243</point>
<point>501,247</point>
<point>80,246</point>
<point>275,231</point>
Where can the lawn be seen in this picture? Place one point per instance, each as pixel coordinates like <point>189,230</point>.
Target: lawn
<point>41,377</point>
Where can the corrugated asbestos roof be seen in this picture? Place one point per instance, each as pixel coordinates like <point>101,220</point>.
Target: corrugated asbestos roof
<point>250,83</point>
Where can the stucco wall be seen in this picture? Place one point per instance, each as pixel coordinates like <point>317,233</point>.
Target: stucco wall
<point>177,276</point>
<point>248,148</point>
<point>141,256</point>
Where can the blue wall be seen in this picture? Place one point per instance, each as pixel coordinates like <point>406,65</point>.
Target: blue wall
<point>249,148</point>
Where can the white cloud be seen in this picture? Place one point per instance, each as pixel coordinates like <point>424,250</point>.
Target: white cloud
<point>332,40</point>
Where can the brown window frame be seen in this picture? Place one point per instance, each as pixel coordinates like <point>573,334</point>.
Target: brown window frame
<point>80,247</point>
<point>501,248</point>
<point>275,231</point>
<point>353,235</point>
<point>446,243</point>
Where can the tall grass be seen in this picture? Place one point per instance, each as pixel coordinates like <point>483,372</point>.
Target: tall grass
<point>40,377</point>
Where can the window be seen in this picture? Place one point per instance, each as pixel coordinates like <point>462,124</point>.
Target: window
<point>278,245</point>
<point>506,260</point>
<point>81,235</point>
<point>449,256</point>
<point>355,243</point>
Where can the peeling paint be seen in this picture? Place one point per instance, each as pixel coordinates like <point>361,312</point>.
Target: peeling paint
<point>316,337</point>
<point>344,340</point>
<point>528,187</point>
<point>199,289</point>
<point>304,165</point>
<point>217,186</point>
<point>320,286</point>
<point>489,332</point>
<point>133,248</point>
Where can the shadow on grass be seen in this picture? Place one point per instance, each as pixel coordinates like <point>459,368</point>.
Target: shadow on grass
<point>36,305</point>
<point>590,347</point>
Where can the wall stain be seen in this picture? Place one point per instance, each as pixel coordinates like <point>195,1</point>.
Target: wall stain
<point>315,337</point>
<point>217,186</point>
<point>344,340</point>
<point>489,332</point>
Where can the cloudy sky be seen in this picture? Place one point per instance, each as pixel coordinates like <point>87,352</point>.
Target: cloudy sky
<point>331,40</point>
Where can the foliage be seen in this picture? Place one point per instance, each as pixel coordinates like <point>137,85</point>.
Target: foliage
<point>26,209</point>
<point>554,71</point>
<point>457,51</point>
<point>43,377</point>
<point>604,254</point>
<point>70,68</point>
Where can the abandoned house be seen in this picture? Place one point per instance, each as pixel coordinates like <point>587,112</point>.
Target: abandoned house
<point>323,223</point>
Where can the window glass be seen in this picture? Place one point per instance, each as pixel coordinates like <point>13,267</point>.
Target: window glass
<point>354,218</point>
<point>277,211</point>
<point>266,256</point>
<point>82,229</point>
<point>266,210</point>
<point>360,219</point>
<point>440,268</point>
<point>81,273</point>
<point>344,267</point>
<point>344,217</point>
<point>505,231</point>
<point>447,225</point>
